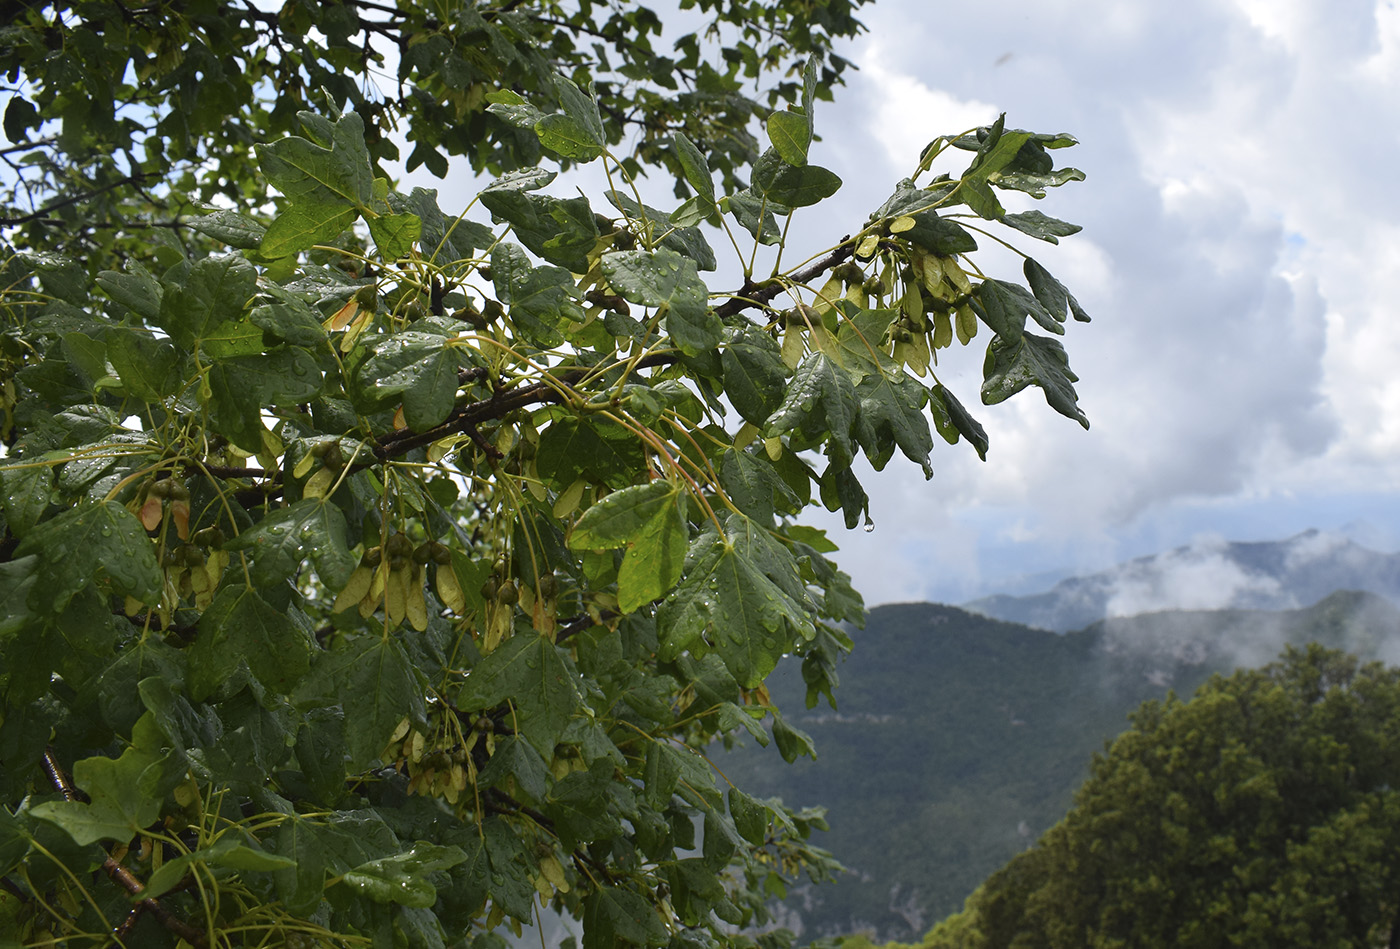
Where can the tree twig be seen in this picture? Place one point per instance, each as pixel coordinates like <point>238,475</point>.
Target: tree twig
<point>121,875</point>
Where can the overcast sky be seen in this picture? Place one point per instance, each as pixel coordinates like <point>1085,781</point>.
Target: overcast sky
<point>1240,257</point>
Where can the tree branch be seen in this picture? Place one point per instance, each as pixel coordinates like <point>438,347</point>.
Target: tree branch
<point>755,294</point>
<point>464,421</point>
<point>13,221</point>
<point>121,875</point>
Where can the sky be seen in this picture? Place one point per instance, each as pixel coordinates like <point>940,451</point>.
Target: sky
<point>1240,256</point>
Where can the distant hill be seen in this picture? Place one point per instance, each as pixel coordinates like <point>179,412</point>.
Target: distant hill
<point>1274,575</point>
<point>959,739</point>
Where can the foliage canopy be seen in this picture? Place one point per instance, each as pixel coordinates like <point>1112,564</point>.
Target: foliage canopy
<point>1263,812</point>
<point>376,575</point>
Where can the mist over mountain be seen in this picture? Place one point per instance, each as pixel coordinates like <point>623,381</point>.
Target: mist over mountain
<point>1209,574</point>
<point>959,739</point>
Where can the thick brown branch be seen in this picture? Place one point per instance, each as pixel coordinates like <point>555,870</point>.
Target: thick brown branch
<point>465,420</point>
<point>120,874</point>
<point>752,294</point>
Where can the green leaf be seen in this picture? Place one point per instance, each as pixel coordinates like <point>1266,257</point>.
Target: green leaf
<point>792,743</point>
<point>652,565</point>
<point>755,378</point>
<point>998,150</point>
<point>750,817</point>
<point>578,804</point>
<point>14,842</point>
<point>227,851</point>
<point>215,291</point>
<point>148,367</point>
<point>240,386</point>
<point>688,241</point>
<point>1041,226</point>
<point>300,886</point>
<point>819,399</point>
<point>621,517</point>
<point>1051,293</point>
<point>891,413</point>
<point>234,229</point>
<point>518,759</point>
<point>1035,184</point>
<point>395,234</point>
<point>420,367</point>
<point>308,173</point>
<point>801,187</point>
<point>528,670</point>
<point>562,134</point>
<point>668,281</point>
<point>841,490</point>
<point>596,450</point>
<point>85,544</point>
<point>290,321</point>
<point>755,214</point>
<point>581,108</point>
<point>1002,309</point>
<point>240,626</point>
<point>953,420</point>
<point>513,108</point>
<point>614,915</point>
<point>524,179</point>
<point>727,597</point>
<point>560,231</point>
<point>312,528</point>
<point>302,226</point>
<point>17,578</point>
<point>375,683</point>
<point>755,487</point>
<point>1034,360</point>
<point>694,166</point>
<point>125,793</point>
<point>25,493</point>
<point>403,878</point>
<point>791,135</point>
<point>540,299</point>
<point>135,289</point>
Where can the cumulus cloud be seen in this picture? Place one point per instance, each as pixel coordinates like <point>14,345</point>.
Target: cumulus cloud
<point>1240,254</point>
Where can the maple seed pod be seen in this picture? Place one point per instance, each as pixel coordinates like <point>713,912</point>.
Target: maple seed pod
<point>368,297</point>
<point>491,311</point>
<point>191,555</point>
<point>441,554</point>
<point>508,594</point>
<point>484,272</point>
<point>849,273</point>
<point>483,724</point>
<point>372,557</point>
<point>489,588</point>
<point>398,545</point>
<point>549,586</point>
<point>211,537</point>
<point>423,553</point>
<point>162,488</point>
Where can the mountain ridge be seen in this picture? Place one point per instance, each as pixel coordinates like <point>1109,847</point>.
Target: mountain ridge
<point>1208,574</point>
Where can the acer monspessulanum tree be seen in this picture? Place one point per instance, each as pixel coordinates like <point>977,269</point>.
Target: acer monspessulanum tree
<point>379,574</point>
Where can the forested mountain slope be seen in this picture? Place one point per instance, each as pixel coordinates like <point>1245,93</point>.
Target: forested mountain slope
<point>959,739</point>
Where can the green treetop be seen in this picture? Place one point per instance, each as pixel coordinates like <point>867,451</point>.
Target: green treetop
<point>1263,812</point>
<point>376,575</point>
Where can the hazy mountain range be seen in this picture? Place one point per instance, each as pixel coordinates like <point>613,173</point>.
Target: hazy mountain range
<point>960,738</point>
<point>1208,575</point>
